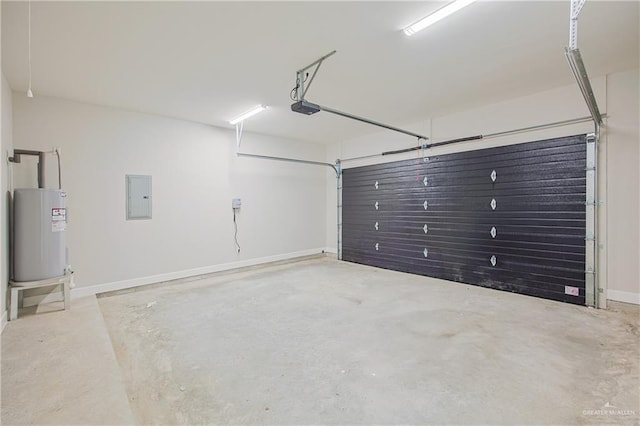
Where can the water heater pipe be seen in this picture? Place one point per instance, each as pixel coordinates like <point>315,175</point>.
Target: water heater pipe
<point>40,154</point>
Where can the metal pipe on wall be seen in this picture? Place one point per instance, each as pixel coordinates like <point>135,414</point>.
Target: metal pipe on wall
<point>538,127</point>
<point>339,210</point>
<point>430,145</point>
<point>591,203</point>
<point>290,160</point>
<point>17,153</point>
<point>595,225</point>
<point>481,137</point>
<point>41,170</point>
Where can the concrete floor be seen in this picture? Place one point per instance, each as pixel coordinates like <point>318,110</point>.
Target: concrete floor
<point>321,341</point>
<point>60,368</point>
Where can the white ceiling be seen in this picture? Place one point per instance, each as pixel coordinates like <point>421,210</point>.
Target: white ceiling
<point>209,61</point>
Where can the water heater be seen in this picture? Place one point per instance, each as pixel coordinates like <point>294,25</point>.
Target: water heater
<point>39,225</point>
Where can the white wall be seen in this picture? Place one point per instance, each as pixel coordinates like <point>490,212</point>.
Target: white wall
<point>619,159</point>
<point>195,175</point>
<point>622,186</point>
<point>6,145</point>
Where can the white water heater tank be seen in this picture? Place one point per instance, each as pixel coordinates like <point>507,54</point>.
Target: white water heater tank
<point>39,225</point>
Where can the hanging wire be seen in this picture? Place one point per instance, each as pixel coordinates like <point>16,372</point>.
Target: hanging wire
<point>294,91</point>
<point>59,169</point>
<point>235,235</point>
<point>29,92</point>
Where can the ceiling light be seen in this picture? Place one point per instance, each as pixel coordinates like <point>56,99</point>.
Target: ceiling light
<point>253,111</point>
<point>436,16</point>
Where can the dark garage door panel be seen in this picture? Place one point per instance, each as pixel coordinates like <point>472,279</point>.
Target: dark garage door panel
<point>539,217</point>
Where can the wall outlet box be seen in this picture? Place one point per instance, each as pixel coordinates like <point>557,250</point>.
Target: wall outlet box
<point>236,203</point>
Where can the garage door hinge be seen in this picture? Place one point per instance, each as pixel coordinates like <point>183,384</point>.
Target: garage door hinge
<point>593,203</point>
<point>590,237</point>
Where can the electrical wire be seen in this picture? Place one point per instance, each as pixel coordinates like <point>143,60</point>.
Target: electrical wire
<point>294,91</point>
<point>29,93</point>
<point>292,95</point>
<point>235,235</point>
<point>10,177</point>
<point>59,170</point>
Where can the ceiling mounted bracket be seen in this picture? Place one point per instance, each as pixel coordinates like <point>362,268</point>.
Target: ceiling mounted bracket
<point>239,128</point>
<point>577,65</point>
<point>301,77</point>
<point>576,8</point>
<point>303,106</point>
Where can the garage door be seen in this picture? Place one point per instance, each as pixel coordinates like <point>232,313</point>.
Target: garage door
<point>510,218</point>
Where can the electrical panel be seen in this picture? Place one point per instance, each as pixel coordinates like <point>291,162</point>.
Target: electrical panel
<point>138,197</point>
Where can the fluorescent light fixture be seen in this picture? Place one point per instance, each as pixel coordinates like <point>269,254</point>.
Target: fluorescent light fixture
<point>436,16</point>
<point>253,111</point>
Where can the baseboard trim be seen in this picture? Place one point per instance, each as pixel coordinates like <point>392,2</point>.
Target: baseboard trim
<point>624,296</point>
<point>4,321</point>
<point>331,250</point>
<point>154,279</point>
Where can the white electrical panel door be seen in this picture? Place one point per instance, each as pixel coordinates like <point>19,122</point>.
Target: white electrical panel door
<point>138,197</point>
